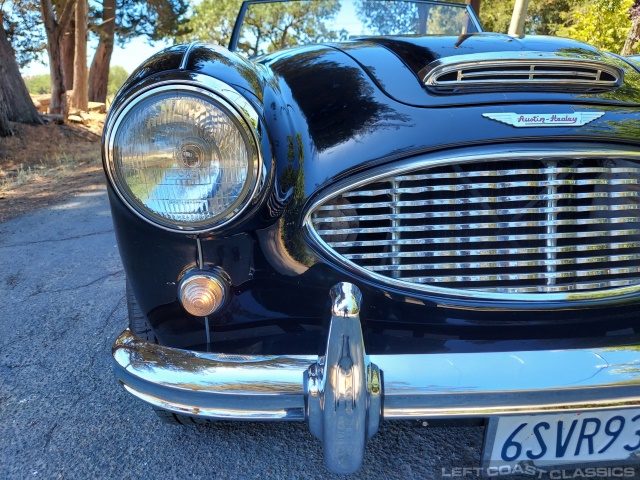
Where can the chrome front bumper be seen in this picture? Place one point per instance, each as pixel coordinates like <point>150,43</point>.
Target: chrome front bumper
<point>345,393</point>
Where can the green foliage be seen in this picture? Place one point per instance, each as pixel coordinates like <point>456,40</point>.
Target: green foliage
<point>544,17</point>
<point>39,84</point>
<point>389,19</point>
<point>411,18</point>
<point>602,23</point>
<point>495,15</point>
<point>117,76</point>
<point>23,26</point>
<point>211,21</point>
<point>271,27</point>
<point>267,27</point>
<point>157,19</point>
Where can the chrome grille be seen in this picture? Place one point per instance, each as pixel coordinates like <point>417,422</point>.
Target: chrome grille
<point>532,72</point>
<point>526,225</point>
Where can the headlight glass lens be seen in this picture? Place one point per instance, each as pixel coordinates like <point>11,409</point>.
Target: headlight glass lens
<point>183,159</point>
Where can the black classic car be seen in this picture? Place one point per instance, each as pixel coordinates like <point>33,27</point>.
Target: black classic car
<point>395,216</point>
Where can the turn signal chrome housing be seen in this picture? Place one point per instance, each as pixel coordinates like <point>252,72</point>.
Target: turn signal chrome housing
<point>202,293</point>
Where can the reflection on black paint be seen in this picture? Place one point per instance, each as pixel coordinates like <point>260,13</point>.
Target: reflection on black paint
<point>416,56</point>
<point>200,56</point>
<point>587,52</point>
<point>209,56</point>
<point>167,59</point>
<point>293,179</point>
<point>338,100</point>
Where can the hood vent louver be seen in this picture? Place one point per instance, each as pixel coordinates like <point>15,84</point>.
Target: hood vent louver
<point>520,72</point>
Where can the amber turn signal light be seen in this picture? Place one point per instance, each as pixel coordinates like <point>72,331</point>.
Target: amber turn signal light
<point>202,293</point>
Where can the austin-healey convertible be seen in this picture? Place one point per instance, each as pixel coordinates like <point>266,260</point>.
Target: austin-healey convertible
<point>382,213</point>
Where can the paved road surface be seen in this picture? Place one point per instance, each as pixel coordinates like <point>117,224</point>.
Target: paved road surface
<point>63,416</point>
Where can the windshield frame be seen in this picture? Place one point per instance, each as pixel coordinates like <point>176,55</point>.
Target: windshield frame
<point>233,42</point>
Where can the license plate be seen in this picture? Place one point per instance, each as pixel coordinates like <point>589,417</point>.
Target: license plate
<point>563,439</point>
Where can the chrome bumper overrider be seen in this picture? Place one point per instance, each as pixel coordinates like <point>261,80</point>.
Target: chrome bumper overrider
<point>344,394</point>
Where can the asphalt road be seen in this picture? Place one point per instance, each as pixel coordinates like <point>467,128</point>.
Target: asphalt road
<point>63,416</point>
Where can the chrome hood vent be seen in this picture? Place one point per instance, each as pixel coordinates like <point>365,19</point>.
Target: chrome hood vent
<point>534,226</point>
<point>512,71</point>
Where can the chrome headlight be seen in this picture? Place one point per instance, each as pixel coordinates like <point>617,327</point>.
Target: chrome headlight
<point>183,158</point>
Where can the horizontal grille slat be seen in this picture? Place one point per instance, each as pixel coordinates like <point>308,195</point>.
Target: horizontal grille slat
<point>531,225</point>
<point>501,185</point>
<point>497,74</point>
<point>495,251</point>
<point>567,288</point>
<point>490,238</point>
<point>502,173</point>
<point>502,264</point>
<point>474,226</point>
<point>523,276</point>
<point>482,213</point>
<point>512,198</point>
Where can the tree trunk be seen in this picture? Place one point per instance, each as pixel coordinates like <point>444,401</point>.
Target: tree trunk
<point>58,89</point>
<point>16,102</point>
<point>516,29</point>
<point>5,128</point>
<point>99,73</point>
<point>80,96</point>
<point>632,38</point>
<point>55,30</point>
<point>68,54</point>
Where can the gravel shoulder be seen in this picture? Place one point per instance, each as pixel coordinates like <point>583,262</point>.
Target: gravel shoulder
<point>46,164</point>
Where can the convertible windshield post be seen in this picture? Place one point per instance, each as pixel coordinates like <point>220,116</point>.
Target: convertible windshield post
<point>339,20</point>
<point>233,42</point>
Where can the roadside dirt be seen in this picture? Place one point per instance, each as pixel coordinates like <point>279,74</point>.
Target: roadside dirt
<point>46,164</point>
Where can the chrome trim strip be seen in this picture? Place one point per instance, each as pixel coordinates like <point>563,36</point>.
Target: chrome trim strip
<point>551,224</point>
<point>487,238</point>
<point>497,251</point>
<point>443,385</point>
<point>454,157</point>
<point>219,93</point>
<point>511,263</point>
<point>494,185</point>
<point>499,225</point>
<point>395,222</point>
<point>510,198</point>
<point>520,171</point>
<point>527,276</point>
<point>185,57</point>
<point>531,73</point>
<point>473,213</point>
<point>564,288</point>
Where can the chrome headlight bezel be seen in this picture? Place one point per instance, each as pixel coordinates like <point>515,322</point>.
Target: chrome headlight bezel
<point>223,97</point>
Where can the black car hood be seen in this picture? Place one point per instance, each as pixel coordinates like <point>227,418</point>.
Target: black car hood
<point>397,64</point>
<point>418,52</point>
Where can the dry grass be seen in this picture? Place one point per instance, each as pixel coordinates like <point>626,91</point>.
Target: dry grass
<point>43,165</point>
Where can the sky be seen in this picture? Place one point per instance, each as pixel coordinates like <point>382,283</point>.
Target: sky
<point>129,57</point>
